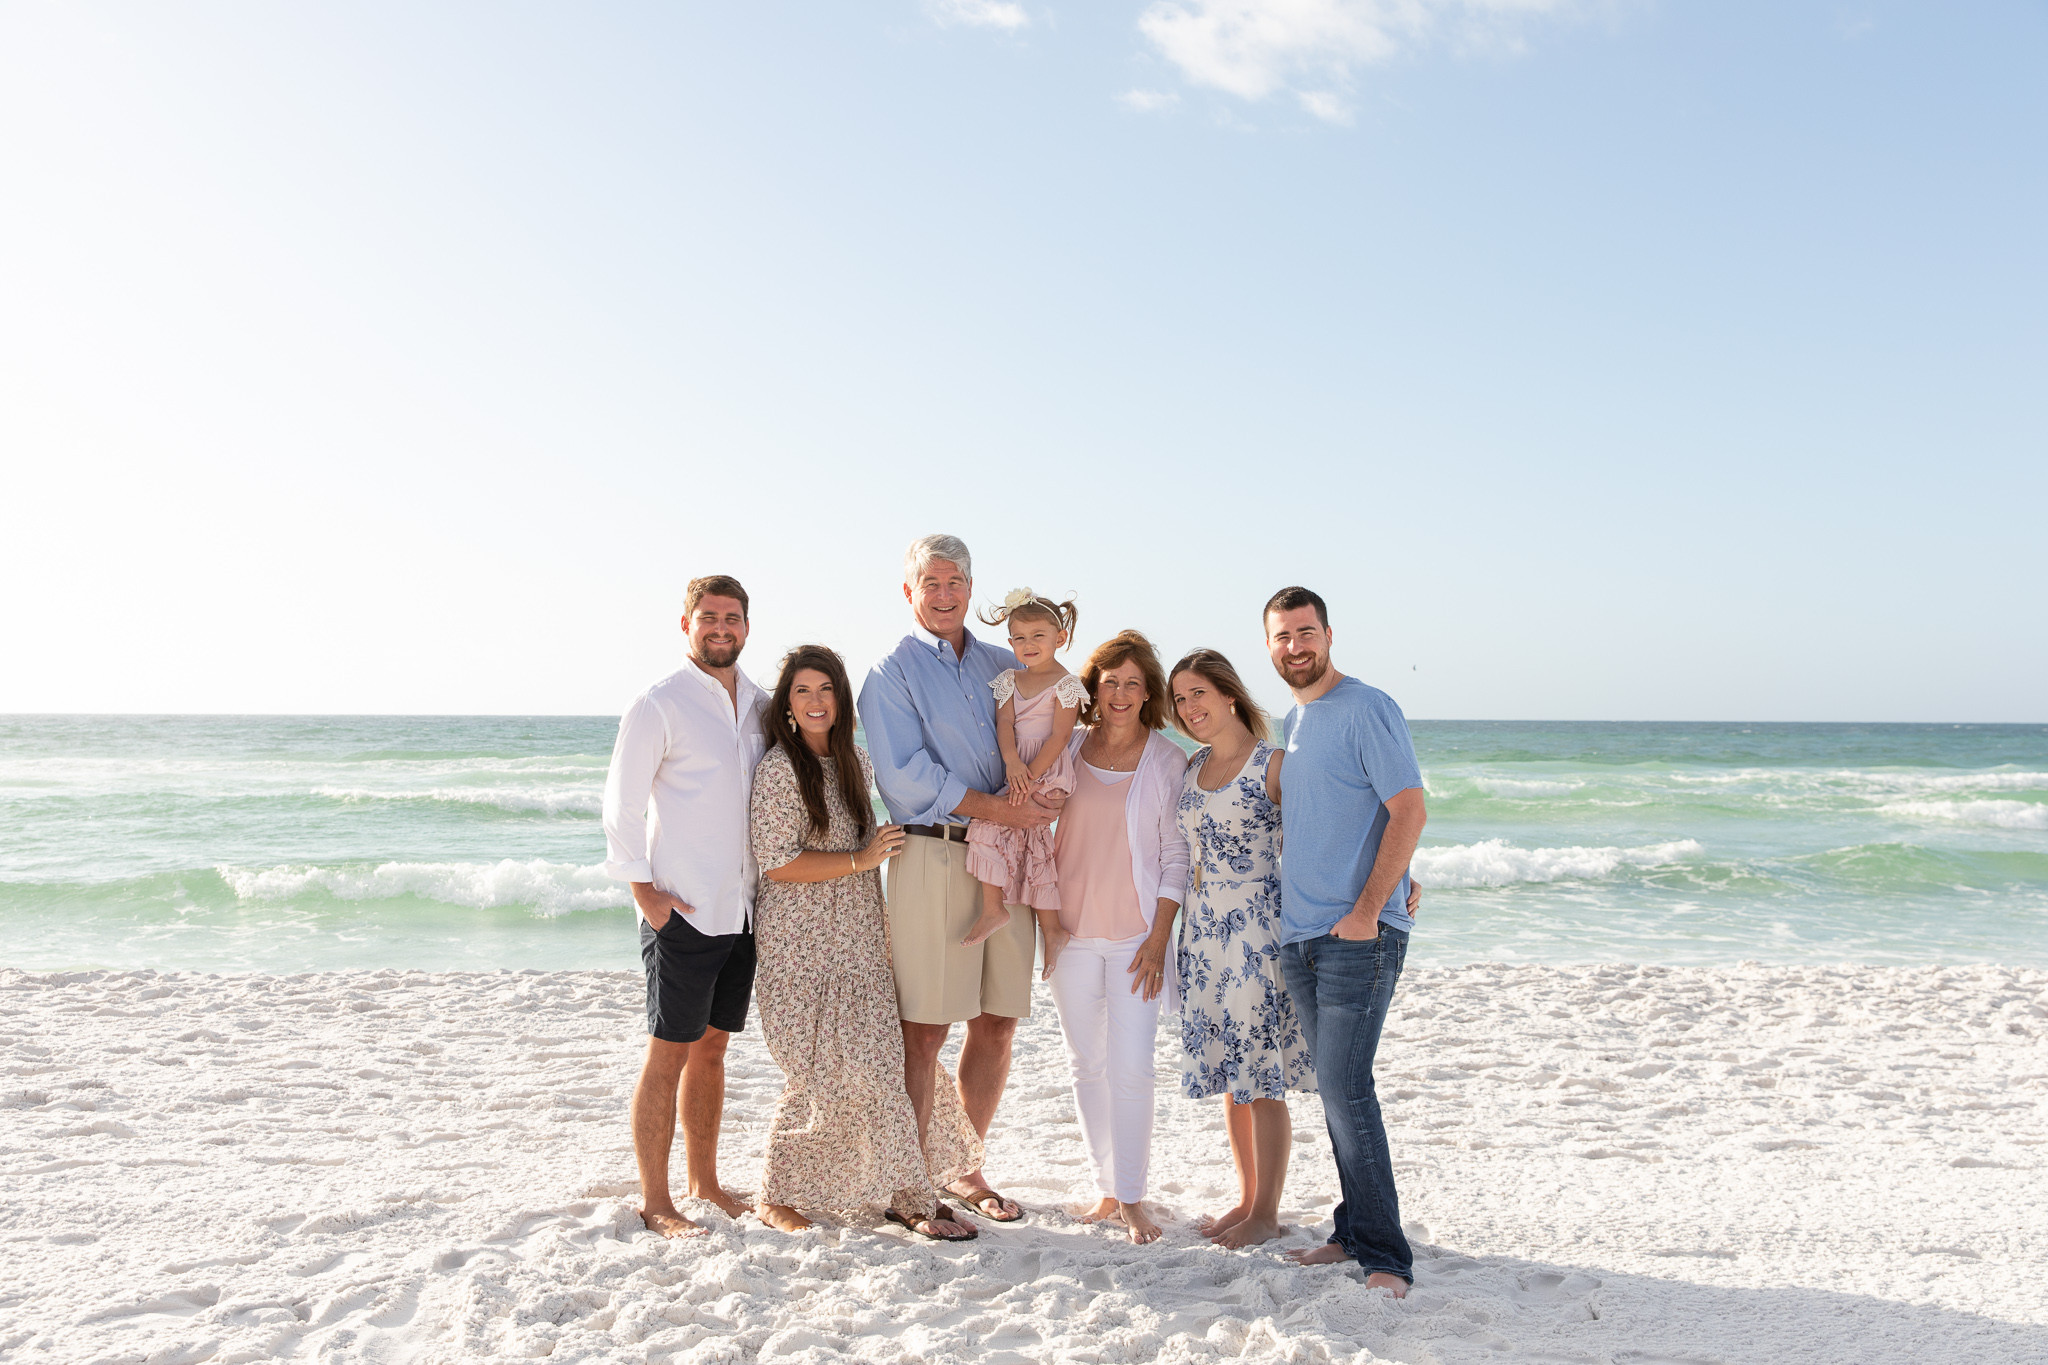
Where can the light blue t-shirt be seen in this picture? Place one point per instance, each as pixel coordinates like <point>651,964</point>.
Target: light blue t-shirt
<point>1347,752</point>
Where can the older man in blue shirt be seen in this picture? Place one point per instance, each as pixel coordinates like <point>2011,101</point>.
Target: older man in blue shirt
<point>930,718</point>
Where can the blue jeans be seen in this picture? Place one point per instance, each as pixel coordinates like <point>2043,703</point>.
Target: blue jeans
<point>1341,990</point>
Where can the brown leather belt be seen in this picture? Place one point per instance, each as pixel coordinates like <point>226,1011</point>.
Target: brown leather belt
<point>957,833</point>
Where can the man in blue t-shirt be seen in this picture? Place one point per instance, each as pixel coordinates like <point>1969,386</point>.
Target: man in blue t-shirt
<point>1351,812</point>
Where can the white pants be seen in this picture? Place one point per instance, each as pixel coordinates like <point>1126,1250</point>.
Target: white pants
<point>1109,1029</point>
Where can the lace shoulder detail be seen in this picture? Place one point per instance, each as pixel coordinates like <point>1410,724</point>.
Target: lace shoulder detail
<point>1004,685</point>
<point>1070,691</point>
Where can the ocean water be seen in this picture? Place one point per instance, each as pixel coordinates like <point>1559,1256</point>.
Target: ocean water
<point>224,843</point>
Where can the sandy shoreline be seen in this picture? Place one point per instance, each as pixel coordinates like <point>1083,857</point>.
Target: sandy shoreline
<point>1598,1164</point>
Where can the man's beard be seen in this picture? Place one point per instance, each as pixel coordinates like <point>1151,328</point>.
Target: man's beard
<point>715,656</point>
<point>1304,677</point>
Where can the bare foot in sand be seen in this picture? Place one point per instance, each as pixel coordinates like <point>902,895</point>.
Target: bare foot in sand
<point>732,1206</point>
<point>1141,1228</point>
<point>670,1224</point>
<point>781,1217</point>
<point>1247,1232</point>
<point>1222,1222</point>
<point>1329,1253</point>
<point>1105,1207</point>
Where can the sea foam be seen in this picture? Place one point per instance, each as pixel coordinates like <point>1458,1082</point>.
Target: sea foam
<point>1493,862</point>
<point>550,888</point>
<point>584,800</point>
<point>1517,786</point>
<point>1995,814</point>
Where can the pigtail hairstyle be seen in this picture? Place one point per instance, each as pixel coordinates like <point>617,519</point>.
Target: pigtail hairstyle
<point>810,773</point>
<point>1024,604</point>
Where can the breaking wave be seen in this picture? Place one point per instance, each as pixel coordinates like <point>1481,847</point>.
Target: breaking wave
<point>549,888</point>
<point>1493,862</point>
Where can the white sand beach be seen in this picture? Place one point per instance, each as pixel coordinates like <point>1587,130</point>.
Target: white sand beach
<point>1598,1164</point>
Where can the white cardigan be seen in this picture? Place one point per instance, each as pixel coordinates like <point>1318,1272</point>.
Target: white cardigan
<point>1159,852</point>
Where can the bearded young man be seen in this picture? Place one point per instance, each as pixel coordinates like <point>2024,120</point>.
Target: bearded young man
<point>675,826</point>
<point>1351,818</point>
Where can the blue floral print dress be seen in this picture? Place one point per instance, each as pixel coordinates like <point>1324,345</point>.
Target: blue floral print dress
<point>1237,1023</point>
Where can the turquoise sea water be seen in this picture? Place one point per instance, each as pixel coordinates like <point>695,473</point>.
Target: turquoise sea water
<point>295,843</point>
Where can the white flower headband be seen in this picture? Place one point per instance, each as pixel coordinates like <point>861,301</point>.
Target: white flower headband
<point>1018,597</point>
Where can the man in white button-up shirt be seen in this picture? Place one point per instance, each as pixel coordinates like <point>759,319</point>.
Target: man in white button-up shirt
<point>675,825</point>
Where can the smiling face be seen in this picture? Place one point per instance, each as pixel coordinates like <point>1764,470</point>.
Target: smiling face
<point>1033,639</point>
<point>1120,692</point>
<point>1204,712</point>
<point>815,705</point>
<point>938,596</point>
<point>717,631</point>
<point>1299,645</point>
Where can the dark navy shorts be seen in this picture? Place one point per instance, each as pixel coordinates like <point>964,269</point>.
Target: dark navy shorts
<point>695,980</point>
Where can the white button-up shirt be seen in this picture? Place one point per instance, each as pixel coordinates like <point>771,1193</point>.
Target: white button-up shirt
<point>685,751</point>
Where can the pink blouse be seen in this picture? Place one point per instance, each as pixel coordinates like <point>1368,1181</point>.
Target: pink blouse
<point>1092,851</point>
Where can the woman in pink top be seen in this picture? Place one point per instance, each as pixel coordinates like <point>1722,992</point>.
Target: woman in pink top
<point>1122,872</point>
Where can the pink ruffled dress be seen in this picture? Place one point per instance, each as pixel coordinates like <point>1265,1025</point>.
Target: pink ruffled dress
<point>1020,861</point>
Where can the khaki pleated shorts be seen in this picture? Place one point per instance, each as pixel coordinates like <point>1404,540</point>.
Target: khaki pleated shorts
<point>933,902</point>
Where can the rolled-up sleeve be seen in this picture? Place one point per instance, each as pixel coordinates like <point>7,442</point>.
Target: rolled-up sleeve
<point>628,786</point>
<point>914,787</point>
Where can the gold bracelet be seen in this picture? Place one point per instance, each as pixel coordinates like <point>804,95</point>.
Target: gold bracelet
<point>853,861</point>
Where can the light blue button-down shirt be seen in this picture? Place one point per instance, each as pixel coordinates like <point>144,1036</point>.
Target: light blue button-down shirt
<point>931,726</point>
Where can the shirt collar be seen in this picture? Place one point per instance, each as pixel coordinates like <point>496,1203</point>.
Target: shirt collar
<point>743,685</point>
<point>934,644</point>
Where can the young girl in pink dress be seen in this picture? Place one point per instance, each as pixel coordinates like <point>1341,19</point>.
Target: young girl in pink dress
<point>1036,706</point>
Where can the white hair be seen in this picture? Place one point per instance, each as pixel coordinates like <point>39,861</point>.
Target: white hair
<point>925,549</point>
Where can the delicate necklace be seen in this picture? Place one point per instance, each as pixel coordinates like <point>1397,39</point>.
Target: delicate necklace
<point>1116,764</point>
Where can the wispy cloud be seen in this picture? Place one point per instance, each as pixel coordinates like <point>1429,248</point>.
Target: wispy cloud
<point>1254,48</point>
<point>1326,105</point>
<point>1148,101</point>
<point>978,13</point>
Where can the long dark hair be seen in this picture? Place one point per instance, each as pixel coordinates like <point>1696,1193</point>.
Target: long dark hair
<point>1207,663</point>
<point>810,773</point>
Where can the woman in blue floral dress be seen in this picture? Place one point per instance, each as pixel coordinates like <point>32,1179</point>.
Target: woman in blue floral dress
<point>1237,1023</point>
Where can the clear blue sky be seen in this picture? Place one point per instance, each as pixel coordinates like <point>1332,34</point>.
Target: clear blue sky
<point>1611,360</point>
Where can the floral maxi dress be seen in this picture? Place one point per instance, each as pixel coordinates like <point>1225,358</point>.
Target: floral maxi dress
<point>844,1137</point>
<point>1238,1027</point>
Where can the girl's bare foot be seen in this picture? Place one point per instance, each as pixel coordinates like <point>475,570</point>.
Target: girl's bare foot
<point>1105,1207</point>
<point>1055,939</point>
<point>670,1224</point>
<point>992,919</point>
<point>1247,1232</point>
<point>781,1217</point>
<point>1143,1229</point>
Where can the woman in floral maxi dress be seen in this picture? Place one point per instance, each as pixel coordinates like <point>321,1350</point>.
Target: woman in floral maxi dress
<point>1242,1038</point>
<point>844,1136</point>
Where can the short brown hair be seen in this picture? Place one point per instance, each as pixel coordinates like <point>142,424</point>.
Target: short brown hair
<point>713,585</point>
<point>1128,647</point>
<point>1291,599</point>
<point>1207,663</point>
